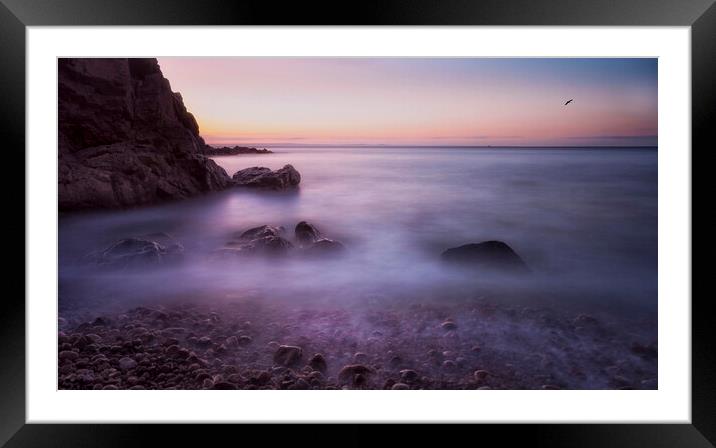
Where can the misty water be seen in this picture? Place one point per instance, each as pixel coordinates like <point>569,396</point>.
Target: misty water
<point>584,221</point>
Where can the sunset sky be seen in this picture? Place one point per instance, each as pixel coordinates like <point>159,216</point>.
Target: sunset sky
<point>408,101</point>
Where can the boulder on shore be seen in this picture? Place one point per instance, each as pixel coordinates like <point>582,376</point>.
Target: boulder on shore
<point>489,254</point>
<point>261,177</point>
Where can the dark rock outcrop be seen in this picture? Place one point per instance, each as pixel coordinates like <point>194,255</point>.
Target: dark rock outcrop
<point>488,254</point>
<point>125,138</point>
<point>233,150</point>
<point>260,177</point>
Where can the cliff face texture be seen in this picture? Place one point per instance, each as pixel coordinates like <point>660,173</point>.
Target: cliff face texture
<point>125,138</point>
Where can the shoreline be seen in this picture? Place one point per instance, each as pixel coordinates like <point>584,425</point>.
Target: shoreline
<point>476,344</point>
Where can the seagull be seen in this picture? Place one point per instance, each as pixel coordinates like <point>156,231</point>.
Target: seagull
<point>569,101</point>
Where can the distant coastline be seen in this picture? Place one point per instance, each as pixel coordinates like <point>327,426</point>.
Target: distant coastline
<point>325,145</point>
<point>233,150</point>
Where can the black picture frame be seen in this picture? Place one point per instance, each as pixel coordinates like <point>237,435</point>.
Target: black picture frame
<point>16,15</point>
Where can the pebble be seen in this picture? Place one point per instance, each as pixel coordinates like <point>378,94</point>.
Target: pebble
<point>318,362</point>
<point>360,358</point>
<point>204,341</point>
<point>481,374</point>
<point>448,325</point>
<point>287,355</point>
<point>245,340</point>
<point>127,363</point>
<point>400,386</point>
<point>68,355</point>
<point>350,371</point>
<point>409,375</point>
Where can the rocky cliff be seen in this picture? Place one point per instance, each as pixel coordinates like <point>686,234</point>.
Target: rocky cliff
<point>125,138</point>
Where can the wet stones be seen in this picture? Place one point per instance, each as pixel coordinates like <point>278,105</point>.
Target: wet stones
<point>480,375</point>
<point>135,252</point>
<point>409,375</point>
<point>244,340</point>
<point>127,363</point>
<point>318,362</point>
<point>67,355</point>
<point>354,373</point>
<point>645,351</point>
<point>270,240</point>
<point>287,355</point>
<point>360,358</point>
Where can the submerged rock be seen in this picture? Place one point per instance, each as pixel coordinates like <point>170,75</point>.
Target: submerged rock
<point>262,240</point>
<point>488,254</point>
<point>325,248</point>
<point>261,177</point>
<point>135,252</point>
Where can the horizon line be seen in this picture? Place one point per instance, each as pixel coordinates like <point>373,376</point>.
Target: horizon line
<point>385,145</point>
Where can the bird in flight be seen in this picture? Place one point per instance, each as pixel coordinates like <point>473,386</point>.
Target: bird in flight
<point>569,101</point>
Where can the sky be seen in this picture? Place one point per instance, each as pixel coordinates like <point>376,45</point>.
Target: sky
<point>419,101</point>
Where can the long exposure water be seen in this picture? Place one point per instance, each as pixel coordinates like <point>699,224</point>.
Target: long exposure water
<point>583,219</point>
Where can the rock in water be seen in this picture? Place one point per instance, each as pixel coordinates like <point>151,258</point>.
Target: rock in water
<point>263,240</point>
<point>136,252</point>
<point>125,138</point>
<point>261,232</point>
<point>306,233</point>
<point>325,248</point>
<point>489,254</point>
<point>260,177</point>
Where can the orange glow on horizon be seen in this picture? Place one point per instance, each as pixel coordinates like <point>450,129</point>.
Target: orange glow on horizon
<point>418,101</point>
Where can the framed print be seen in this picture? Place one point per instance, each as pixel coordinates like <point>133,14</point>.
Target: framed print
<point>237,214</point>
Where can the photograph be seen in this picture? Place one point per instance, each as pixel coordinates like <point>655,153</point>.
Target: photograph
<point>362,223</point>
